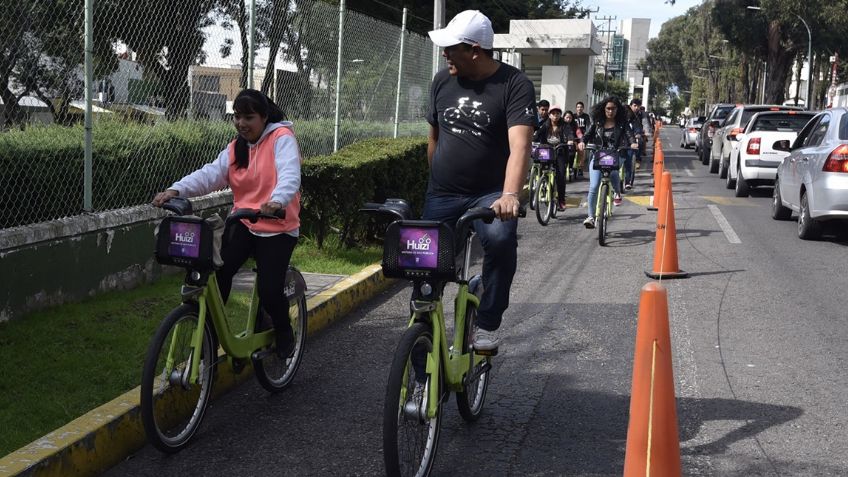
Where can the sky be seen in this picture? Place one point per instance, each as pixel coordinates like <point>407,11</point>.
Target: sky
<point>657,10</point>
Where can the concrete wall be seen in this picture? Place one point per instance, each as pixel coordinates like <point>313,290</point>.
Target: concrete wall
<point>636,31</point>
<point>579,85</point>
<point>69,259</point>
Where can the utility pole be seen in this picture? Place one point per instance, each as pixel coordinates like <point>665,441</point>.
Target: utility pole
<point>608,31</point>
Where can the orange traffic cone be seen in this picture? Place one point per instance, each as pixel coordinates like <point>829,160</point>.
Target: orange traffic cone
<point>665,248</point>
<point>653,445</point>
<point>659,167</point>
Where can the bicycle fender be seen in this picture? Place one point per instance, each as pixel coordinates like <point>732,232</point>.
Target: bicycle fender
<point>295,284</point>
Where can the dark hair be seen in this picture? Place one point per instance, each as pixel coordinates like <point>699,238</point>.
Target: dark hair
<point>598,115</point>
<point>579,103</point>
<point>544,103</point>
<point>636,101</point>
<point>252,101</point>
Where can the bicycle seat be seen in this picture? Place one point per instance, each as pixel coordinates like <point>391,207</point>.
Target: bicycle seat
<point>178,205</point>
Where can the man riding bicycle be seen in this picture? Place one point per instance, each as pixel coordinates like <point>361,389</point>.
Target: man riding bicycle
<point>480,163</point>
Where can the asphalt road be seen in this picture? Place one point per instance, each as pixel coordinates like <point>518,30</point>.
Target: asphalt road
<point>759,332</point>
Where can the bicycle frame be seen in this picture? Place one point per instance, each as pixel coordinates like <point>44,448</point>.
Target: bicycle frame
<point>605,179</point>
<point>455,359</point>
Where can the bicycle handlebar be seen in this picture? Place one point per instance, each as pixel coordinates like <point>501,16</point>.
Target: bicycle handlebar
<point>593,147</point>
<point>254,215</point>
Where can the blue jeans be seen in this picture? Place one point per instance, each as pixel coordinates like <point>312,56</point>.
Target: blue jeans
<point>500,250</point>
<point>629,171</point>
<point>595,183</point>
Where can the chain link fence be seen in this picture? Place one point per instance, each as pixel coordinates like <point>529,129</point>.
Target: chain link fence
<point>163,78</point>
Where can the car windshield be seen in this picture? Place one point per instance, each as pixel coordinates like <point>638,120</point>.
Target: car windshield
<point>722,112</point>
<point>781,122</point>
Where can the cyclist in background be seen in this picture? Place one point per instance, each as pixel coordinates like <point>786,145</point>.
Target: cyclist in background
<point>262,167</point>
<point>556,131</point>
<point>583,121</point>
<point>542,112</point>
<point>634,156</point>
<point>480,160</point>
<point>609,129</point>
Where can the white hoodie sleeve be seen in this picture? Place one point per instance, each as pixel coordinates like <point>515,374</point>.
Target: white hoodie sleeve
<point>209,178</point>
<point>287,161</point>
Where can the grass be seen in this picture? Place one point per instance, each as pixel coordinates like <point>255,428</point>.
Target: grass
<point>58,364</point>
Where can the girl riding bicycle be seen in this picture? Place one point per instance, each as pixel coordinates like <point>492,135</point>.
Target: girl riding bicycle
<point>556,131</point>
<point>262,167</point>
<point>609,130</point>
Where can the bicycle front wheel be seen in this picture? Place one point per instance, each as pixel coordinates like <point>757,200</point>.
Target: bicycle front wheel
<point>172,404</point>
<point>601,217</point>
<point>275,374</point>
<point>534,185</point>
<point>476,380</point>
<point>410,437</point>
<point>543,201</point>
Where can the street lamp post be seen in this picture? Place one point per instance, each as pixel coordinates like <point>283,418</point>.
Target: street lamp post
<point>809,55</point>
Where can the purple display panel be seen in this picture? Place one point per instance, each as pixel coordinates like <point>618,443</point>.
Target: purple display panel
<point>185,240</point>
<point>419,248</point>
<point>543,154</point>
<point>606,159</point>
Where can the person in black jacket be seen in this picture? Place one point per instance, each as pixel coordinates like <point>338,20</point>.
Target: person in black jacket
<point>609,129</point>
<point>556,131</point>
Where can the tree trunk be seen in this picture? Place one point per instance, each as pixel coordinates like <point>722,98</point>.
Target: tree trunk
<point>242,21</point>
<point>779,64</point>
<point>13,114</point>
<point>279,23</point>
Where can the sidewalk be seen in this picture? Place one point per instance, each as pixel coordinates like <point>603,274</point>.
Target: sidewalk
<point>108,434</point>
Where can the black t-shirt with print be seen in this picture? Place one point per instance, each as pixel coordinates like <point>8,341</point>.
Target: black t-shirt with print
<point>583,121</point>
<point>473,118</point>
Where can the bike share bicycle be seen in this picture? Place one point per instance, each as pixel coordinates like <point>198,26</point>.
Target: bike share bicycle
<point>535,175</point>
<point>547,197</point>
<point>426,368</point>
<point>181,360</point>
<point>605,160</point>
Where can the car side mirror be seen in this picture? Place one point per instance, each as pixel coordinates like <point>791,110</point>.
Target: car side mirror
<point>783,145</point>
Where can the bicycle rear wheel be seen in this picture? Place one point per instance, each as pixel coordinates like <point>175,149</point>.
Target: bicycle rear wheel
<point>601,218</point>
<point>172,406</point>
<point>543,202</point>
<point>275,374</point>
<point>476,380</point>
<point>534,185</point>
<point>410,438</point>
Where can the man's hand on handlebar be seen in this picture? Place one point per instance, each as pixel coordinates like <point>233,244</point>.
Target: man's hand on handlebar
<point>635,145</point>
<point>270,208</point>
<point>507,206</point>
<point>163,197</point>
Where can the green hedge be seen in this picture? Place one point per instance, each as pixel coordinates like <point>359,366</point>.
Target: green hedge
<point>41,168</point>
<point>335,186</point>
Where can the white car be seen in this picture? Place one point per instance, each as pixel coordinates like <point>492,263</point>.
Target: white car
<point>754,162</point>
<point>813,179</point>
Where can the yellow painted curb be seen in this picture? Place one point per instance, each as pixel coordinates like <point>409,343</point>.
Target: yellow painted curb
<point>103,437</point>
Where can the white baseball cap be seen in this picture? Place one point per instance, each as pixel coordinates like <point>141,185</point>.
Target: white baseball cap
<point>470,26</point>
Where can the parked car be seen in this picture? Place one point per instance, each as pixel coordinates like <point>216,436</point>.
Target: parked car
<point>813,179</point>
<point>755,161</point>
<point>690,131</point>
<point>705,138</point>
<point>725,138</point>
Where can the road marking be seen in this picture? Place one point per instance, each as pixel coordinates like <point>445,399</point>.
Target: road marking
<point>724,224</point>
<point>721,200</point>
<point>689,172</point>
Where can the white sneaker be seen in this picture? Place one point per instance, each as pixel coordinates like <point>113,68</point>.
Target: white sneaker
<point>589,223</point>
<point>485,340</point>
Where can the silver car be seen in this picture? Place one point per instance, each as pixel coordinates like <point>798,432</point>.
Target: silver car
<point>813,179</point>
<point>690,130</point>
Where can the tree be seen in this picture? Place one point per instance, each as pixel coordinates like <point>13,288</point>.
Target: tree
<point>617,88</point>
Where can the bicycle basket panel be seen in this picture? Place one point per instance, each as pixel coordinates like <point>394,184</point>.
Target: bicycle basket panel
<point>543,154</point>
<point>418,249</point>
<point>185,241</point>
<point>606,159</point>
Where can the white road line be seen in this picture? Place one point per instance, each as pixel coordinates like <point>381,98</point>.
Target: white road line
<point>689,172</point>
<point>724,224</point>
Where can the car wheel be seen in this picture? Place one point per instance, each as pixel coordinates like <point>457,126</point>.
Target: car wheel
<point>778,210</point>
<point>722,169</point>
<point>742,189</point>
<point>713,165</point>
<point>729,182</point>
<point>705,156</point>
<point>808,228</point>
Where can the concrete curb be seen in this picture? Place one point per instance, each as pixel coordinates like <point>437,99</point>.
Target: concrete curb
<point>105,436</point>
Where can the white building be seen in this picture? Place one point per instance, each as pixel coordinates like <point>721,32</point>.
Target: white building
<point>622,52</point>
<point>557,55</point>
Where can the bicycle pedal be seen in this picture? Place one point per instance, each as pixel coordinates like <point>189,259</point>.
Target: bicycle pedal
<point>478,372</point>
<point>486,352</point>
<point>261,354</point>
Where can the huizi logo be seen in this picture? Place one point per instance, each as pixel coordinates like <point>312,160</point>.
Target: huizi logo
<point>187,237</point>
<point>423,243</point>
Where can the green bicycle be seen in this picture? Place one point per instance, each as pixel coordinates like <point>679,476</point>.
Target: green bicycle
<point>571,167</point>
<point>179,368</point>
<point>534,176</point>
<point>605,160</point>
<point>547,197</point>
<point>426,367</point>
